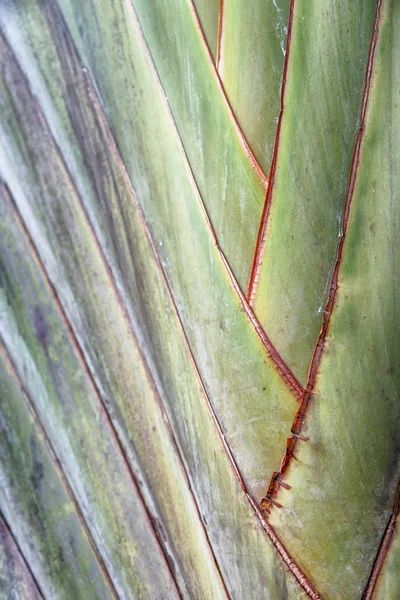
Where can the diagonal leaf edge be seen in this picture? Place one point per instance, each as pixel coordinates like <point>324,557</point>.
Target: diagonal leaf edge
<point>252,50</point>
<point>31,407</point>
<point>253,161</point>
<point>261,242</point>
<point>207,11</point>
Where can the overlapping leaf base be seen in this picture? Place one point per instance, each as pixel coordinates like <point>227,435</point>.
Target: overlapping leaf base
<point>149,401</point>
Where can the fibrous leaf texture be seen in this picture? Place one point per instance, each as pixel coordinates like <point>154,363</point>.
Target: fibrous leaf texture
<point>199,315</point>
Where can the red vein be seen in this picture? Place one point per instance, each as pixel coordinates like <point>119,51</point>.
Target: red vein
<point>249,153</point>
<point>220,33</point>
<point>112,146</point>
<point>291,564</point>
<point>383,549</point>
<point>261,238</point>
<point>57,463</point>
<point>24,562</point>
<point>281,367</point>
<point>299,419</point>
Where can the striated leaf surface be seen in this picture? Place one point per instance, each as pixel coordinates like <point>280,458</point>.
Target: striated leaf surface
<point>35,503</point>
<point>252,52</point>
<point>252,401</point>
<point>36,342</point>
<point>344,481</point>
<point>71,239</point>
<point>232,189</point>
<point>143,408</point>
<point>301,223</point>
<point>127,390</point>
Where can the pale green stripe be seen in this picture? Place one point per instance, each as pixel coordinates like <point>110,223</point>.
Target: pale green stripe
<point>231,188</point>
<point>252,53</point>
<point>346,475</point>
<point>326,72</point>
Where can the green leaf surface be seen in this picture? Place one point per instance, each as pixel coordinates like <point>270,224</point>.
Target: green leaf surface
<point>251,60</point>
<point>231,187</point>
<point>71,239</point>
<point>325,79</point>
<point>61,395</point>
<point>344,480</point>
<point>244,392</point>
<point>143,408</point>
<point>127,390</point>
<point>36,504</point>
<point>208,13</point>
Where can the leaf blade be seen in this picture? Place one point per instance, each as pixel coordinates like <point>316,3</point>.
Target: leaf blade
<point>218,158</point>
<point>176,197</point>
<point>253,45</point>
<point>355,419</point>
<point>308,184</point>
<point>206,458</point>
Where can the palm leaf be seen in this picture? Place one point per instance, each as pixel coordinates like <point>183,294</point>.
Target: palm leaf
<point>144,409</point>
